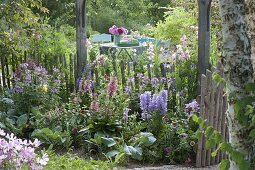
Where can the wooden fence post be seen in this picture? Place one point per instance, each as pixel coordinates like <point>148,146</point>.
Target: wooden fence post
<point>81,37</point>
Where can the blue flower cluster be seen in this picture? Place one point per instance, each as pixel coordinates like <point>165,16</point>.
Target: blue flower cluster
<point>156,102</point>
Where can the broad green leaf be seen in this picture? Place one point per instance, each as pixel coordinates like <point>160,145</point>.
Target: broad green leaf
<point>225,147</point>
<point>22,120</point>
<point>224,165</point>
<point>134,152</point>
<point>112,153</point>
<point>244,164</point>
<point>109,142</point>
<point>252,133</point>
<point>12,122</point>
<point>200,121</point>
<point>210,144</point>
<point>250,87</point>
<point>209,131</point>
<point>218,137</point>
<point>195,118</point>
<point>198,134</point>
<point>147,139</point>
<point>237,156</point>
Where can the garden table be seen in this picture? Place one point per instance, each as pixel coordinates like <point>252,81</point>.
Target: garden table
<point>115,51</point>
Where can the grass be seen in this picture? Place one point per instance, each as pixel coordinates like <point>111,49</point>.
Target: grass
<point>69,161</point>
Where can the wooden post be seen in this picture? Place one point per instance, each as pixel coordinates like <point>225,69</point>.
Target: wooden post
<point>203,37</point>
<point>81,36</point>
<point>122,69</point>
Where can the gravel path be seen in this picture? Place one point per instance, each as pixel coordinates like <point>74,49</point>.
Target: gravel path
<point>174,167</point>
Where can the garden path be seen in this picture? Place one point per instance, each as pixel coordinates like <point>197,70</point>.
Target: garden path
<point>175,167</point>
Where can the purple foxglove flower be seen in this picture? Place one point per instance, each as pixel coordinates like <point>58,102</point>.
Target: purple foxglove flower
<point>112,86</point>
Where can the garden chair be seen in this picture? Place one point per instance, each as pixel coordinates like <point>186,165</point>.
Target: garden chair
<point>102,38</point>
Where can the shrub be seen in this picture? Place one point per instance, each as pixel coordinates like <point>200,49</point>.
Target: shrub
<point>178,22</point>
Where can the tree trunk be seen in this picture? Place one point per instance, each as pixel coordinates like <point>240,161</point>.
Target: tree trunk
<point>237,65</point>
<point>81,36</point>
<point>250,16</point>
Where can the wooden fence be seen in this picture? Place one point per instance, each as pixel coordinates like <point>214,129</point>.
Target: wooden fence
<point>9,64</point>
<point>124,68</point>
<point>213,106</point>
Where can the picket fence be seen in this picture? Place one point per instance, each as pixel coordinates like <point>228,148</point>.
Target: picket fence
<point>122,67</point>
<point>213,106</point>
<point>9,64</point>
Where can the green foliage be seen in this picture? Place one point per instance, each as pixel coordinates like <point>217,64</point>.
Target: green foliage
<point>17,21</point>
<point>133,148</point>
<point>131,14</point>
<point>178,22</point>
<point>70,161</point>
<point>53,137</point>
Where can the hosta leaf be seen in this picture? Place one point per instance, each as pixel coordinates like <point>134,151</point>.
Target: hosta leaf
<point>108,141</point>
<point>134,152</point>
<point>22,120</point>
<point>112,153</point>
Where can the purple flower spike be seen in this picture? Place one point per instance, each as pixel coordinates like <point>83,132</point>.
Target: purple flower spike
<point>154,82</point>
<point>145,99</point>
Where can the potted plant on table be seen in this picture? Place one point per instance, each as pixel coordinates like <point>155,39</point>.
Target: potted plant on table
<point>117,32</point>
